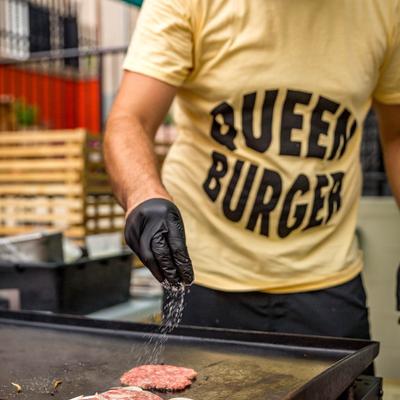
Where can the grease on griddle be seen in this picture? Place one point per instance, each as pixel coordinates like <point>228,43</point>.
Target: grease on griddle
<point>18,387</point>
<point>56,383</point>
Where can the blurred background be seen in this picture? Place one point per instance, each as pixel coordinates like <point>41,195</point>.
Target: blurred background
<point>60,67</point>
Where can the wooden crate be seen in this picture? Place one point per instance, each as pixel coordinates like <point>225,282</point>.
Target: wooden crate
<point>7,114</point>
<point>55,180</point>
<point>103,214</point>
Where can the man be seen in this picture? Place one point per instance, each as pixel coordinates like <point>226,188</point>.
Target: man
<point>270,102</point>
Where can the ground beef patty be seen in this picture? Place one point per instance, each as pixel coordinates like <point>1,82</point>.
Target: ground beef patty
<point>124,394</point>
<point>160,377</point>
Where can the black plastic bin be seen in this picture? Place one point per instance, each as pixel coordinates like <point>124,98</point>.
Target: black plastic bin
<point>81,287</point>
<point>4,304</point>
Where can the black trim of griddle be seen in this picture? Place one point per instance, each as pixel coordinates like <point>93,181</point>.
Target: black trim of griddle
<point>335,380</point>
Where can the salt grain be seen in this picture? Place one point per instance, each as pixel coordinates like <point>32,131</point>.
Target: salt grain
<point>172,315</point>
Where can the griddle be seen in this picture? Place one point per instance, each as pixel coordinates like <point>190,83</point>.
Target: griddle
<point>90,355</point>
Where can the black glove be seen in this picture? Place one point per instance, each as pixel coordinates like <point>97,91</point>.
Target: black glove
<point>154,231</point>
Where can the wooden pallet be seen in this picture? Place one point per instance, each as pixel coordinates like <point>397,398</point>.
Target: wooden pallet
<point>55,180</point>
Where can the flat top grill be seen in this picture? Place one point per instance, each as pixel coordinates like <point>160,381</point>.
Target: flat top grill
<point>89,356</point>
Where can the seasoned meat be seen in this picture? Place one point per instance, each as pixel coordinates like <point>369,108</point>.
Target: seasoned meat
<point>127,394</point>
<point>159,377</point>
<point>122,393</point>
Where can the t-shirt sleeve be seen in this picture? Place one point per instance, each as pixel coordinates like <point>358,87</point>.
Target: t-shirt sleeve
<point>387,90</point>
<point>162,43</point>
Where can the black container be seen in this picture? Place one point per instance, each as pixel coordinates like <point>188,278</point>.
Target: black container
<point>81,287</point>
<point>4,305</point>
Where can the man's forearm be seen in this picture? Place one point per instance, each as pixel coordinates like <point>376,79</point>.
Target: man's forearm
<point>131,162</point>
<point>391,151</point>
<point>389,127</point>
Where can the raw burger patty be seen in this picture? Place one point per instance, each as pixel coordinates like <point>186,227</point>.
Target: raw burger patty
<point>160,377</point>
<point>123,394</point>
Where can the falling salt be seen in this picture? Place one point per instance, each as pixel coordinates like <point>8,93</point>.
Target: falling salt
<point>172,315</point>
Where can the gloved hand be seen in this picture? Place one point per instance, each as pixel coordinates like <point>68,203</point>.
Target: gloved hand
<point>154,231</point>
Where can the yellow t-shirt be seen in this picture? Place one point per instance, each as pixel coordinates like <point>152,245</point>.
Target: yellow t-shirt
<point>270,107</point>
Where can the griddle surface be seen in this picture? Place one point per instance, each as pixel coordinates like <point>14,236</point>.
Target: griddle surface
<point>90,360</point>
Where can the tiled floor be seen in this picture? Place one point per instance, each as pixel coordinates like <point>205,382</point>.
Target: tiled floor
<point>391,390</point>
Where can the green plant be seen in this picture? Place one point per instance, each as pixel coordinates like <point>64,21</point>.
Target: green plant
<point>26,114</point>
<point>168,120</point>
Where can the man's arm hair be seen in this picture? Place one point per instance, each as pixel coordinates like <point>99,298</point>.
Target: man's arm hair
<point>389,126</point>
<point>138,110</point>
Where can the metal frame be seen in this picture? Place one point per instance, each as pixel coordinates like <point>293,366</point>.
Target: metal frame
<point>103,65</point>
<point>357,354</point>
<point>15,33</point>
<point>66,53</point>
